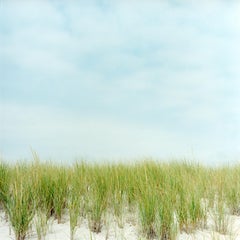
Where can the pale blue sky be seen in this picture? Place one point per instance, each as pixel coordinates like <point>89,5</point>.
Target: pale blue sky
<point>120,79</point>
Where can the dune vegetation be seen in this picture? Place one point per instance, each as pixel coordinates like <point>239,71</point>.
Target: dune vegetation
<point>166,198</point>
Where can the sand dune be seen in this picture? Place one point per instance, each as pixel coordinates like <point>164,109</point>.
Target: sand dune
<point>111,230</point>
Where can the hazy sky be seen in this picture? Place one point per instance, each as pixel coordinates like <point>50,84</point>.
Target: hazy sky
<point>120,79</point>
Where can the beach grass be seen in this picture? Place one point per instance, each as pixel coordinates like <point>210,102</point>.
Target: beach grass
<point>165,198</point>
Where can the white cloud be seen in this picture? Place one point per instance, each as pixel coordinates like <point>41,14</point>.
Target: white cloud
<point>26,13</point>
<point>92,136</point>
<point>64,137</point>
<point>174,36</point>
<point>137,57</point>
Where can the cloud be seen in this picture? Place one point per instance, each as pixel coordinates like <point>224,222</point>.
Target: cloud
<point>90,136</point>
<point>122,37</point>
<point>120,78</point>
<point>65,137</point>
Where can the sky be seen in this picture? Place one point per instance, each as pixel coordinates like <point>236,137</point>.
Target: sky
<point>119,80</point>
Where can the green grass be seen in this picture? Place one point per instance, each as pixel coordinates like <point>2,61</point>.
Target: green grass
<point>98,197</point>
<point>19,202</point>
<point>166,198</point>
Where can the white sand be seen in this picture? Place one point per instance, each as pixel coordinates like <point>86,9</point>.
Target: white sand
<point>111,231</point>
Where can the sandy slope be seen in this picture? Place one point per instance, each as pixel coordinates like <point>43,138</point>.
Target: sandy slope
<point>112,231</point>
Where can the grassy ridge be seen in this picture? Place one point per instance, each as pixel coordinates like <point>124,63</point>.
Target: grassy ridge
<point>168,198</point>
